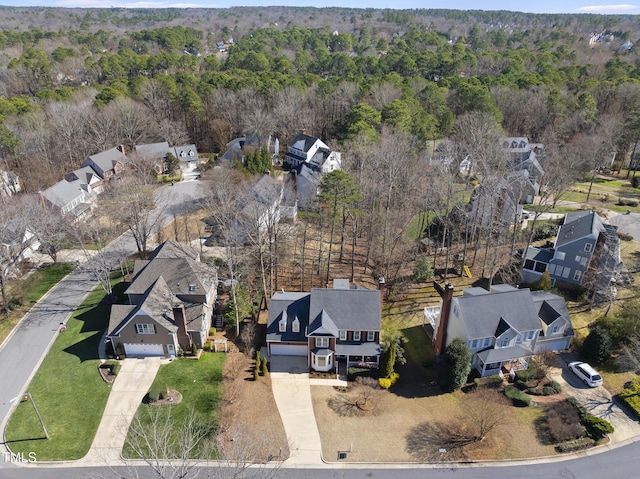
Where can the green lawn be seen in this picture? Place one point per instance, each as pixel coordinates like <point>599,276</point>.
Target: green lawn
<point>29,291</point>
<point>201,386</point>
<point>67,389</point>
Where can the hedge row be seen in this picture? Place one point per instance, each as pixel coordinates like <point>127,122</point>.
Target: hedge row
<point>630,396</point>
<point>518,398</point>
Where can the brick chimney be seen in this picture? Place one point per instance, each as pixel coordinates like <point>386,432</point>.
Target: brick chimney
<point>121,148</point>
<point>382,287</point>
<point>180,318</point>
<point>303,131</point>
<point>440,342</point>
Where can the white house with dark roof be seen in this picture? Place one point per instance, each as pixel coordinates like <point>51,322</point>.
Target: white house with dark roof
<point>334,328</point>
<point>171,299</point>
<point>586,252</point>
<point>503,327</point>
<point>187,155</point>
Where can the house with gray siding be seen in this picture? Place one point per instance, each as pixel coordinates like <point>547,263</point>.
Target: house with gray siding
<point>586,254</point>
<point>170,304</point>
<point>503,327</point>
<point>334,328</point>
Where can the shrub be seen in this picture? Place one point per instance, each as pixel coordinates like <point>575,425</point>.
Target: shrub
<point>563,422</point>
<point>555,385</point>
<point>264,366</point>
<point>543,283</point>
<point>536,392</point>
<point>529,374</point>
<point>157,392</point>
<point>194,349</point>
<point>456,365</point>
<point>212,331</point>
<point>581,410</point>
<point>544,231</point>
<point>635,181</point>
<point>518,398</point>
<point>629,396</point>
<point>256,374</point>
<point>114,366</point>
<point>548,391</point>
<point>386,383</point>
<point>596,427</point>
<point>423,270</point>
<point>597,345</point>
<point>388,360</point>
<point>575,445</point>
<point>208,346</point>
<point>258,357</point>
<point>493,382</point>
<point>355,372</point>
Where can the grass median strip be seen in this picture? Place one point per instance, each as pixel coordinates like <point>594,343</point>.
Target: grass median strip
<point>67,390</point>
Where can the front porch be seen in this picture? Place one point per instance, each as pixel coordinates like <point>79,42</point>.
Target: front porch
<point>502,361</point>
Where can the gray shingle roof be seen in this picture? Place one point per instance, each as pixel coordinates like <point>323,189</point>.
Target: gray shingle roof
<point>482,314</point>
<point>106,160</point>
<point>84,174</point>
<point>579,224</point>
<point>119,312</point>
<point>171,249</point>
<point>351,309</point>
<point>543,255</point>
<point>154,150</point>
<point>179,274</point>
<point>323,322</point>
<point>63,193</point>
<point>504,354</point>
<point>557,303</point>
<point>291,305</point>
<point>186,152</point>
<point>357,349</point>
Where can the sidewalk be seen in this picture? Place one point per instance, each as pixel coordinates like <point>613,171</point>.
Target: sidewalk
<point>128,390</point>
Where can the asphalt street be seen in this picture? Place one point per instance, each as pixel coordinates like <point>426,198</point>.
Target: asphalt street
<point>24,350</point>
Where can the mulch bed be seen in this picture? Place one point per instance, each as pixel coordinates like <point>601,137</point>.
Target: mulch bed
<point>172,397</point>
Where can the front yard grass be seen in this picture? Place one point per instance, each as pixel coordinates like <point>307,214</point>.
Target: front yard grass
<point>67,390</point>
<point>29,291</point>
<point>201,386</point>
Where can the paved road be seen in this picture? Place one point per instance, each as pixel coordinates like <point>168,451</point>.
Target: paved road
<point>24,350</point>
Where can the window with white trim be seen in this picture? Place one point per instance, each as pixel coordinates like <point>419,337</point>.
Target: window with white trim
<point>356,335</point>
<point>578,258</point>
<point>486,342</point>
<point>588,247</point>
<point>577,275</point>
<point>566,272</point>
<point>518,338</point>
<point>560,255</point>
<point>555,330</point>
<point>322,342</point>
<point>146,329</point>
<point>343,335</point>
<point>473,344</point>
<point>282,325</point>
<point>505,342</point>
<point>371,335</point>
<point>529,335</point>
<point>295,326</point>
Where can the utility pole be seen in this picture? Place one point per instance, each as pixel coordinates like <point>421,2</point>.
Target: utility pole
<point>29,398</point>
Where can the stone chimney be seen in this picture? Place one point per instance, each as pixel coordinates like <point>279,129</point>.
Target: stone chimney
<point>440,342</point>
<point>382,287</point>
<point>180,318</point>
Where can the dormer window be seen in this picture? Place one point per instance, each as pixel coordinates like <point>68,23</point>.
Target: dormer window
<point>296,326</point>
<point>588,247</point>
<point>192,153</point>
<point>192,288</point>
<point>182,154</point>
<point>282,325</point>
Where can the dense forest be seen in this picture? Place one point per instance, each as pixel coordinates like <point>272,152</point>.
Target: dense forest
<point>385,87</point>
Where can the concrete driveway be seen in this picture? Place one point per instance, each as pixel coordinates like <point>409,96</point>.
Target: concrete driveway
<point>128,390</point>
<point>599,402</point>
<point>292,391</point>
<point>629,224</point>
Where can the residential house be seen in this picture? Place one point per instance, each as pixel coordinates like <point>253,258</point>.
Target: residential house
<point>503,327</point>
<point>525,162</point>
<point>9,184</point>
<point>261,209</point>
<point>171,299</point>
<point>17,243</point>
<point>107,163</point>
<point>494,204</point>
<point>187,155</point>
<point>334,328</point>
<point>87,178</point>
<point>310,158</point>
<point>155,152</point>
<point>70,197</point>
<point>586,254</point>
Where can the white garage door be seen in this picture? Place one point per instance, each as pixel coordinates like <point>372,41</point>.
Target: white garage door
<point>143,349</point>
<point>288,350</point>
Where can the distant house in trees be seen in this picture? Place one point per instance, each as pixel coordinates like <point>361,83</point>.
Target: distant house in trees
<point>187,155</point>
<point>17,243</point>
<point>311,158</point>
<point>107,163</point>
<point>9,183</point>
<point>171,299</point>
<point>75,198</point>
<point>586,253</point>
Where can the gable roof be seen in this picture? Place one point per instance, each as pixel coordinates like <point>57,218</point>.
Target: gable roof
<point>304,142</point>
<point>579,224</point>
<point>483,314</point>
<point>85,174</point>
<point>288,306</point>
<point>172,249</point>
<point>179,273</point>
<point>106,160</point>
<point>352,309</point>
<point>154,150</point>
<point>503,326</point>
<point>186,152</point>
<point>63,192</point>
<point>550,302</point>
<point>323,324</point>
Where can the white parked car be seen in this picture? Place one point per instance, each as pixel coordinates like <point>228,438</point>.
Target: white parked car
<point>586,373</point>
